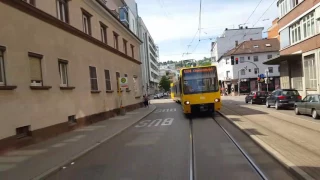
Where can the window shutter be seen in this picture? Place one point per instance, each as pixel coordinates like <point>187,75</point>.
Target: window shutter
<point>35,69</point>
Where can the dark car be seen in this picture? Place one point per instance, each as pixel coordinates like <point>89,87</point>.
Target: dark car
<point>256,97</point>
<point>309,105</point>
<point>283,98</point>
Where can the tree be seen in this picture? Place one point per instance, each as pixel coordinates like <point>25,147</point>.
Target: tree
<point>165,83</point>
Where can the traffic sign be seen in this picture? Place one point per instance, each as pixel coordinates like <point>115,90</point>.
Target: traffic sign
<point>123,82</point>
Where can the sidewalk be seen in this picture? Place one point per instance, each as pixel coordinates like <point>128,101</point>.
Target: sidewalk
<point>39,160</point>
<point>294,142</point>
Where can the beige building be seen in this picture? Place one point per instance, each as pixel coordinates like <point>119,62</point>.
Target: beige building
<point>59,61</point>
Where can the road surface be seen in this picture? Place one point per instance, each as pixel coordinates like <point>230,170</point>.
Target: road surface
<point>168,145</point>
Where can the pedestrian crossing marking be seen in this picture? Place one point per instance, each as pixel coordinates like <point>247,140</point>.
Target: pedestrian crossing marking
<point>5,167</point>
<point>26,152</point>
<point>13,159</point>
<point>165,110</point>
<point>58,145</point>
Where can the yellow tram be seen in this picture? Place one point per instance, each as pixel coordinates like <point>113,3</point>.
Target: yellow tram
<point>197,89</point>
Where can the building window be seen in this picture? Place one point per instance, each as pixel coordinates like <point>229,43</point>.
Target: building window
<point>108,80</point>
<point>248,57</point>
<point>62,10</point>
<point>295,32</point>
<point>117,80</point>
<point>310,72</point>
<point>285,6</point>
<point>269,56</point>
<point>241,59</point>
<point>115,41</point>
<point>86,21</point>
<point>270,69</point>
<point>63,70</point>
<point>103,32</point>
<point>243,72</point>
<point>132,50</point>
<point>2,76</point>
<point>125,50</point>
<point>249,70</point>
<point>255,58</point>
<point>93,78</point>
<point>35,69</point>
<point>227,61</point>
<point>308,23</point>
<point>228,73</point>
<point>256,70</point>
<point>32,2</point>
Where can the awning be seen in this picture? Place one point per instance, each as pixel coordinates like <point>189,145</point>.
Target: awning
<point>278,59</point>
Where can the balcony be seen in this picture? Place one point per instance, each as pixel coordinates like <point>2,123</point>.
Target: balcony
<point>153,51</point>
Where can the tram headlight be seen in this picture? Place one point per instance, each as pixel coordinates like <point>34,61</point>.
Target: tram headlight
<point>186,102</point>
<point>217,100</point>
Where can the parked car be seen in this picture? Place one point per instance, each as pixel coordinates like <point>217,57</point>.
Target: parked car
<point>156,96</point>
<point>309,105</point>
<point>256,97</point>
<point>283,98</point>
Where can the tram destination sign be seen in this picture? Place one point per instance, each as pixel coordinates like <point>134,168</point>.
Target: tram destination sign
<point>199,70</point>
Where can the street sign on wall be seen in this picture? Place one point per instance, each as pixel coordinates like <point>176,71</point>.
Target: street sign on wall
<point>123,82</point>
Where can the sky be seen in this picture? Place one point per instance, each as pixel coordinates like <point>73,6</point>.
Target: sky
<point>173,24</point>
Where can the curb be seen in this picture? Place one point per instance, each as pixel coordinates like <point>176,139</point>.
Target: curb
<point>84,152</point>
<point>292,168</point>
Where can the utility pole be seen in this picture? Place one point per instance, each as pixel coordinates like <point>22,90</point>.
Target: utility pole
<point>239,79</point>
<point>267,79</point>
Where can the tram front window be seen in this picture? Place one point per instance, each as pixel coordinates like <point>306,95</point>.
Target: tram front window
<point>198,81</point>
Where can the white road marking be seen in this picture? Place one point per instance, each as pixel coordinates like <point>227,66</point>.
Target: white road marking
<point>13,159</point>
<point>84,129</point>
<point>165,110</point>
<point>157,122</point>
<point>143,123</point>
<point>58,145</point>
<point>5,167</point>
<point>26,152</point>
<point>167,122</point>
<point>70,140</point>
<point>79,137</point>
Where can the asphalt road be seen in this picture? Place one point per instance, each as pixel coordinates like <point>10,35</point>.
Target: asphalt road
<point>158,148</point>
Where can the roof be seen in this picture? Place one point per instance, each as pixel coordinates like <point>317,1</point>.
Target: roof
<point>255,46</point>
<point>277,60</point>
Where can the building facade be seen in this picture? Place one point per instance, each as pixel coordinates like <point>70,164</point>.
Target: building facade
<point>150,60</point>
<point>250,56</point>
<point>299,60</point>
<point>59,65</point>
<point>273,31</point>
<point>231,38</point>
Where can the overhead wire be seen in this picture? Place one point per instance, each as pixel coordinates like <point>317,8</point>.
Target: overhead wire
<point>199,29</point>
<point>261,16</point>
<point>247,19</point>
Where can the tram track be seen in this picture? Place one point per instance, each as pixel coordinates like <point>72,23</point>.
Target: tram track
<point>193,168</point>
